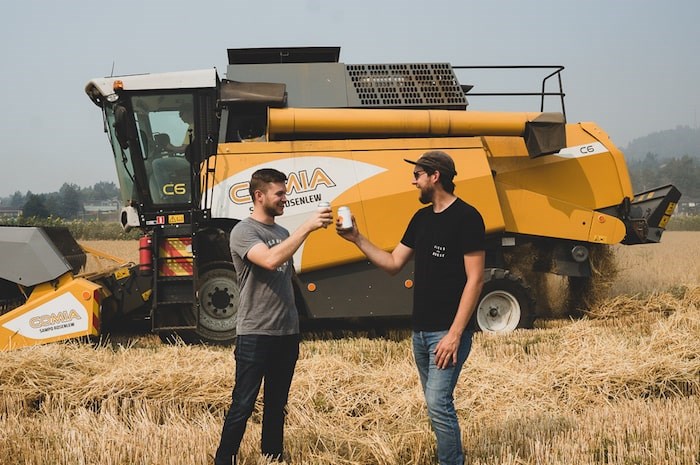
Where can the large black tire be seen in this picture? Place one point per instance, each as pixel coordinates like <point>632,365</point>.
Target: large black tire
<point>218,296</point>
<point>505,303</point>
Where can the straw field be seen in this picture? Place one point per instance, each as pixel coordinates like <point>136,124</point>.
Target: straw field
<point>620,386</point>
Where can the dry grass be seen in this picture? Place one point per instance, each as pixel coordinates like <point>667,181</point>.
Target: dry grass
<point>621,386</point>
<point>675,261</point>
<point>127,250</point>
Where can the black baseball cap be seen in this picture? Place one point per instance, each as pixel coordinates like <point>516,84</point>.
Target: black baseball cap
<point>436,160</point>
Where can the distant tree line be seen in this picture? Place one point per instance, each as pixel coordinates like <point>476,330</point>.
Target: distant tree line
<point>68,203</point>
<point>653,171</point>
<point>670,156</point>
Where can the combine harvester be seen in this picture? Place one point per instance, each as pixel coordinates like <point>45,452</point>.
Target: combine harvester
<point>186,143</point>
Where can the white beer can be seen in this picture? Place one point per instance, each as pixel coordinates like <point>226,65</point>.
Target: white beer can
<point>322,207</point>
<point>345,217</point>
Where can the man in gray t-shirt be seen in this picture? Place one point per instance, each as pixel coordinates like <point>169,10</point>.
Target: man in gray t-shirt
<point>279,315</point>
<point>267,345</point>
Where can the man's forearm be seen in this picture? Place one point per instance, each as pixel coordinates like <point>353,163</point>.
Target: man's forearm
<point>282,252</point>
<point>467,305</point>
<point>474,268</point>
<point>379,257</point>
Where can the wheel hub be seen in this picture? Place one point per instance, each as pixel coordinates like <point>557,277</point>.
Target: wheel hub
<point>498,312</point>
<point>220,301</point>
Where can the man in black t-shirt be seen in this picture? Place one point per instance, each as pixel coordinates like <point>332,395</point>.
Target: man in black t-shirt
<point>446,239</point>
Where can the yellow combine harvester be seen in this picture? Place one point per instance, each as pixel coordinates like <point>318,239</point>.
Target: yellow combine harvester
<point>186,143</point>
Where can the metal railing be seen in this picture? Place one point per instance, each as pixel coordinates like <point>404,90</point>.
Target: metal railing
<point>556,72</point>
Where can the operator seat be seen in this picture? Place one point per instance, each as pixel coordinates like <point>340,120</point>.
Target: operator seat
<point>170,180</point>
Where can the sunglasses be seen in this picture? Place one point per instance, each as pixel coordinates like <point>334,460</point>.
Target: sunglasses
<point>417,174</point>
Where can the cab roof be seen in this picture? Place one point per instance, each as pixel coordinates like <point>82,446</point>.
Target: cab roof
<point>99,88</point>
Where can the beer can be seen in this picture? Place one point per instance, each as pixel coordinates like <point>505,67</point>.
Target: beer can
<point>345,217</point>
<point>322,206</point>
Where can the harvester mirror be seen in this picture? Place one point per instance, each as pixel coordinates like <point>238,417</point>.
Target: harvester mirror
<point>121,126</point>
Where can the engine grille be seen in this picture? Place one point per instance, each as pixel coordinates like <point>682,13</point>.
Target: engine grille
<point>415,85</point>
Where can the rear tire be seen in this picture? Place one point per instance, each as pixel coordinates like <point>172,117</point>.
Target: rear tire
<point>505,303</point>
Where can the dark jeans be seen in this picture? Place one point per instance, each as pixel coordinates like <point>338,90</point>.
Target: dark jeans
<point>258,357</point>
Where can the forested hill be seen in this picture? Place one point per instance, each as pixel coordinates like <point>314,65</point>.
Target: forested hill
<point>671,143</point>
<point>666,157</point>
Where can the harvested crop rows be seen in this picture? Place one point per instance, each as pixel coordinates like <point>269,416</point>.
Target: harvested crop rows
<point>620,386</point>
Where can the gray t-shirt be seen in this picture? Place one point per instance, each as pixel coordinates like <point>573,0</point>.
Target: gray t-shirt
<point>267,297</point>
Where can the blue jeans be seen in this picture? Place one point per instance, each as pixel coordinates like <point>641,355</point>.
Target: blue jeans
<point>438,388</point>
<point>272,358</point>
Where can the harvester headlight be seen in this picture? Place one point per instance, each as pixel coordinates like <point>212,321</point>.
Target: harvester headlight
<point>579,253</point>
<point>111,98</point>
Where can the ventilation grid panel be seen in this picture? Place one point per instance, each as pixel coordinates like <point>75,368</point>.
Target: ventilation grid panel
<point>431,85</point>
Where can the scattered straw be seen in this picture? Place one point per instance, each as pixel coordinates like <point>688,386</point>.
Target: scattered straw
<point>623,382</point>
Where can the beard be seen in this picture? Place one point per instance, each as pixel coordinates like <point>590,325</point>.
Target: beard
<point>273,209</point>
<point>426,195</point>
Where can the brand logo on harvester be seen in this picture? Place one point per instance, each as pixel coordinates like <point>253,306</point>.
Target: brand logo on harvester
<point>299,182</point>
<point>52,319</point>
<point>60,316</point>
<point>311,179</point>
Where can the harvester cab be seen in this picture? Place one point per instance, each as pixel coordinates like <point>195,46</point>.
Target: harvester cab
<point>158,126</point>
<point>162,129</point>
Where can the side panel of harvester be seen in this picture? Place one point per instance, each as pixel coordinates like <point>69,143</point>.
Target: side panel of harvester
<point>559,195</point>
<point>362,174</point>
<point>371,177</point>
<point>65,309</point>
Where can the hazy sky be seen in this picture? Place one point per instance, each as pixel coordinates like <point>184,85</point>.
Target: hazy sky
<point>631,66</point>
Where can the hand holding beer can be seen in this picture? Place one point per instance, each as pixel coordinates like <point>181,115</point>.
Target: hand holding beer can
<point>322,206</point>
<point>345,217</point>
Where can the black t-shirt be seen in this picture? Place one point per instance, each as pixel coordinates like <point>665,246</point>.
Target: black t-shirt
<point>439,242</point>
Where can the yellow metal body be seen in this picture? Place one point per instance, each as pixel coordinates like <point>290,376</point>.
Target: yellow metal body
<point>556,195</point>
<point>550,196</point>
<point>66,308</point>
<point>290,121</point>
